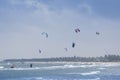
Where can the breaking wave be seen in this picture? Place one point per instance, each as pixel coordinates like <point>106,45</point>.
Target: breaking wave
<point>48,67</point>
<point>99,66</point>
<point>87,73</point>
<point>41,78</point>
<point>1,67</point>
<point>90,73</point>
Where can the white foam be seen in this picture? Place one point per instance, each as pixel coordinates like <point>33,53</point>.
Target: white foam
<point>90,73</point>
<point>90,79</point>
<point>53,67</point>
<point>50,67</point>
<point>71,66</point>
<point>9,63</point>
<point>28,78</point>
<point>19,68</point>
<point>38,78</point>
<point>86,73</point>
<point>86,66</point>
<point>101,68</point>
<point>111,64</point>
<point>1,67</point>
<point>61,67</point>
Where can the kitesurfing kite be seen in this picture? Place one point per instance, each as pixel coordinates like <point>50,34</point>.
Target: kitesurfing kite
<point>66,49</point>
<point>77,30</point>
<point>73,44</point>
<point>97,33</point>
<point>39,51</point>
<point>44,33</point>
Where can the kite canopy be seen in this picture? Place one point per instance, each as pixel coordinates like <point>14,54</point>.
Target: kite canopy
<point>73,44</point>
<point>66,49</point>
<point>97,33</point>
<point>39,51</point>
<point>77,30</point>
<point>44,33</point>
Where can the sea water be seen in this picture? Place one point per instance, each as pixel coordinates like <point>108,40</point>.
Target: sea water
<point>59,71</point>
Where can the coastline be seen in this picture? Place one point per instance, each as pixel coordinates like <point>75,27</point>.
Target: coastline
<point>76,62</point>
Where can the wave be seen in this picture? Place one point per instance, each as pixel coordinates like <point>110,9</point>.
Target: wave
<point>87,73</point>
<point>110,64</point>
<point>90,73</point>
<point>99,66</point>
<point>20,68</point>
<point>28,78</point>
<point>49,67</point>
<point>90,79</point>
<point>41,78</point>
<point>46,68</point>
<point>1,67</point>
<point>68,66</point>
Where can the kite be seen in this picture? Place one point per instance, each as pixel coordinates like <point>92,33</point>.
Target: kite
<point>77,30</point>
<point>44,33</point>
<point>73,44</point>
<point>97,33</point>
<point>66,49</point>
<point>39,51</point>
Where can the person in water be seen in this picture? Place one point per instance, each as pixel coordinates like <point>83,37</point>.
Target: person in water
<point>13,66</point>
<point>31,65</point>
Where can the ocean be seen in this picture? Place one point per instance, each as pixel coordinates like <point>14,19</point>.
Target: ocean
<point>60,71</point>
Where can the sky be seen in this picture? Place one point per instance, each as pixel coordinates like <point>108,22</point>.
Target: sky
<point>23,21</point>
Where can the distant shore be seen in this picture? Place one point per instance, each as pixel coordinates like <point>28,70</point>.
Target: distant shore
<point>105,58</point>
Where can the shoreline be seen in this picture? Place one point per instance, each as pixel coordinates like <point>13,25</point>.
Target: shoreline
<point>75,62</point>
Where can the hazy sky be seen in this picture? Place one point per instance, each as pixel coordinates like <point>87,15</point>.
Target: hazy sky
<point>23,21</point>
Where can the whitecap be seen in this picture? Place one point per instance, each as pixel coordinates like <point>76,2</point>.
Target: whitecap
<point>27,78</point>
<point>90,79</point>
<point>109,64</point>
<point>1,67</point>
<point>38,78</point>
<point>90,73</point>
<point>101,68</point>
<point>20,68</point>
<point>71,66</point>
<point>50,67</point>
<point>87,73</point>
